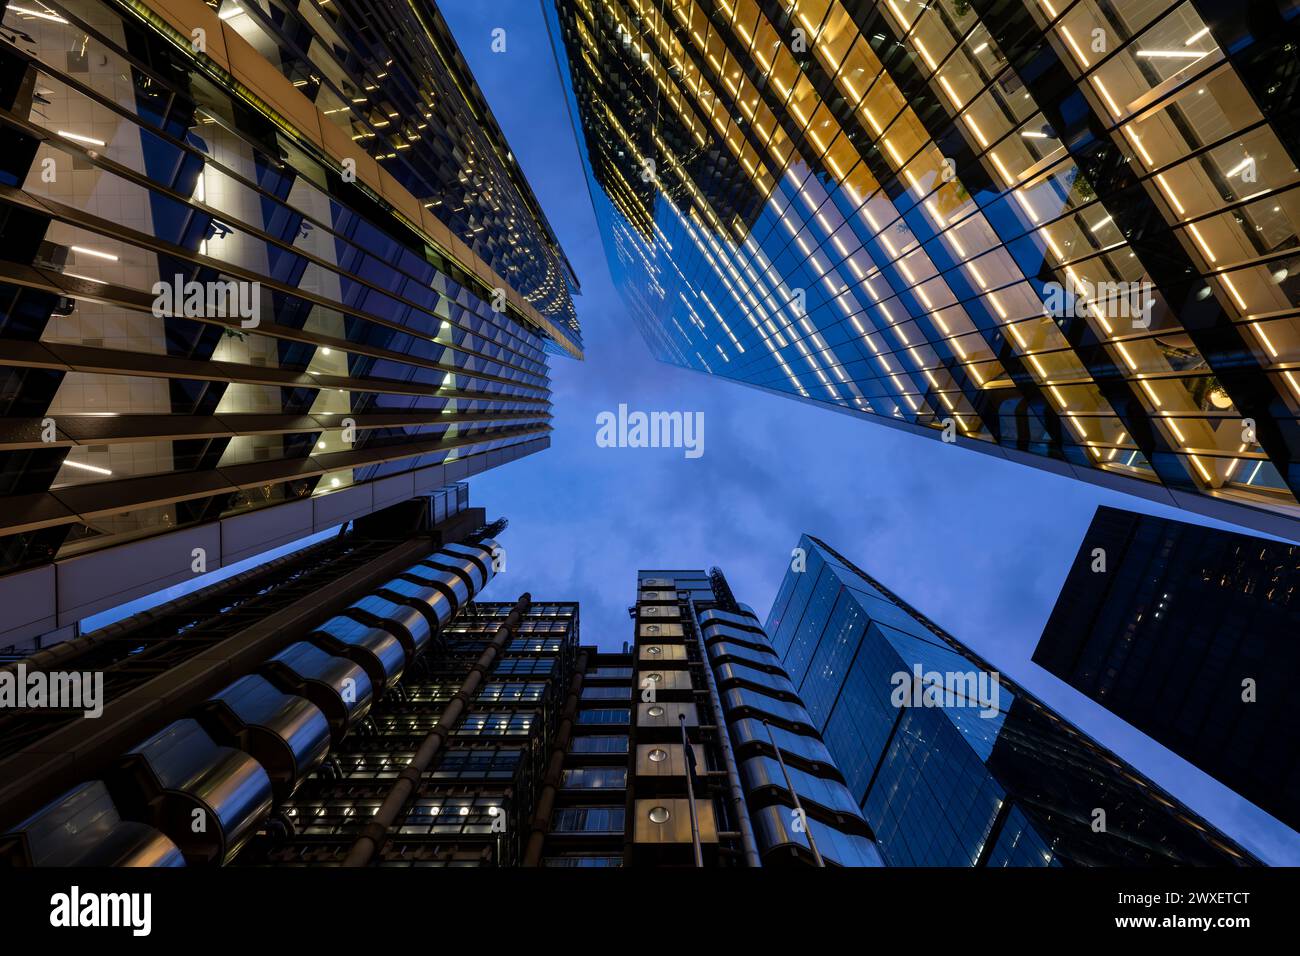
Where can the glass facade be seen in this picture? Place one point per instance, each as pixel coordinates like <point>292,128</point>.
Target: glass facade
<point>251,254</point>
<point>474,803</point>
<point>951,763</point>
<point>1060,232</point>
<point>1189,634</point>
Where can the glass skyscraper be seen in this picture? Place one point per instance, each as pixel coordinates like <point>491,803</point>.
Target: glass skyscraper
<point>264,267</point>
<point>952,763</point>
<point>1192,635</point>
<point>1059,232</point>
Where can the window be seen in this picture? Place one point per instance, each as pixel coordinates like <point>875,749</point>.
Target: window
<point>605,715</point>
<point>589,820</point>
<point>494,723</point>
<point>595,778</point>
<point>525,665</point>
<point>600,744</point>
<point>480,763</point>
<point>610,672</point>
<point>511,691</point>
<point>607,693</point>
<point>582,859</point>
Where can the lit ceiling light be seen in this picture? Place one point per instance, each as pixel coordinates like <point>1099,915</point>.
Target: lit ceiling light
<point>1240,167</point>
<point>73,275</point>
<point>37,13</point>
<point>82,250</point>
<point>1170,54</point>
<point>228,14</point>
<point>1196,36</point>
<point>82,139</point>
<point>95,468</point>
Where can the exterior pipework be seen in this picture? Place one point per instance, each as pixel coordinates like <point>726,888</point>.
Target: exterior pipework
<point>376,831</point>
<point>83,828</point>
<point>541,822</point>
<point>740,809</point>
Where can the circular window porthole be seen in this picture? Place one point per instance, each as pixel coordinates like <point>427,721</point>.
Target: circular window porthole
<point>659,814</point>
<point>654,651</point>
<point>655,711</point>
<point>652,628</point>
<point>658,756</point>
<point>654,677</point>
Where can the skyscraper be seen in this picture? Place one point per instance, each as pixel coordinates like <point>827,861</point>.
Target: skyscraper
<point>952,763</point>
<point>692,748</point>
<point>281,708</point>
<point>1056,233</point>
<point>402,720</point>
<point>1190,634</point>
<point>263,269</point>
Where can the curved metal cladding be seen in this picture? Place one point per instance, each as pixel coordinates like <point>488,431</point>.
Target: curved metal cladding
<point>207,798</point>
<point>271,730</point>
<point>776,684</point>
<point>285,733</point>
<point>774,829</point>
<point>83,828</point>
<point>374,648</point>
<point>761,772</point>
<point>408,622</point>
<point>750,731</point>
<point>337,686</point>
<point>755,689</point>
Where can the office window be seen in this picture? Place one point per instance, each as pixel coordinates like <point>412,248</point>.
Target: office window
<point>589,820</point>
<point>525,665</point>
<point>512,691</point>
<point>600,744</point>
<point>605,715</point>
<point>494,723</point>
<point>595,778</point>
<point>582,859</point>
<point>607,693</point>
<point>492,763</point>
<point>610,672</point>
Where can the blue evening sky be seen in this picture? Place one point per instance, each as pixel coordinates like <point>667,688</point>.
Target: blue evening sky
<point>980,545</point>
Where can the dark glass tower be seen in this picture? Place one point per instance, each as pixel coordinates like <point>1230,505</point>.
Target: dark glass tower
<point>1059,233</point>
<point>697,706</point>
<point>952,763</point>
<point>368,288</point>
<point>1192,635</point>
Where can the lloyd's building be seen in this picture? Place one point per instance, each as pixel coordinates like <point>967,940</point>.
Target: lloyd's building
<point>1058,232</point>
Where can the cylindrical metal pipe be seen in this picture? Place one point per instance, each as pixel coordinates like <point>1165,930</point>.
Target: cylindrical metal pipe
<point>375,833</point>
<point>541,823</point>
<point>740,809</point>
